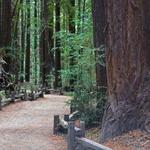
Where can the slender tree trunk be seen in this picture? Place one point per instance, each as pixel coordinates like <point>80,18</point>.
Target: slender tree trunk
<point>35,41</point>
<point>28,39</point>
<point>41,51</point>
<point>51,39</point>
<point>58,51</point>
<point>128,44</point>
<point>22,41</point>
<point>72,30</point>
<point>99,24</point>
<point>15,44</point>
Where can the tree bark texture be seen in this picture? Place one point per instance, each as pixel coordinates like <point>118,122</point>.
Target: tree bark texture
<point>58,51</point>
<point>127,58</point>
<point>99,24</point>
<point>72,30</point>
<point>5,28</point>
<point>46,58</point>
<point>28,40</point>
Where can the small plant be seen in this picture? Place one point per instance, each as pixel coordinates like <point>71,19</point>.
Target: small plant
<point>2,94</point>
<point>90,103</point>
<point>2,52</point>
<point>50,80</point>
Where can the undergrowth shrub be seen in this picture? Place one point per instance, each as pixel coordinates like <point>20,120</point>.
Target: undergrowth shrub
<point>90,103</point>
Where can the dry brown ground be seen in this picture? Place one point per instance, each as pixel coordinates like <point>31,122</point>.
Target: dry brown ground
<point>29,125</point>
<point>135,140</point>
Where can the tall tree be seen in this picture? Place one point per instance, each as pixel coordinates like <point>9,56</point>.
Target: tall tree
<point>22,39</point>
<point>57,51</point>
<point>46,56</point>
<point>28,43</point>
<point>5,28</point>
<point>99,24</point>
<point>72,30</point>
<point>35,39</point>
<point>127,58</point>
<point>16,40</point>
<point>51,34</point>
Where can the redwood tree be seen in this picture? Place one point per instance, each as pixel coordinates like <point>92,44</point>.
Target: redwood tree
<point>57,52</point>
<point>46,42</point>
<point>99,24</point>
<point>5,27</point>
<point>127,58</point>
<point>72,30</point>
<point>28,42</point>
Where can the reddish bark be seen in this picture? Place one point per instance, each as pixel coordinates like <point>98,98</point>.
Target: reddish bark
<point>28,42</point>
<point>127,52</point>
<point>46,43</point>
<point>5,28</point>
<point>57,51</point>
<point>99,24</point>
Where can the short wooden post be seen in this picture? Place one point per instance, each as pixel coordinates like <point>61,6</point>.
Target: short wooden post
<point>13,96</point>
<point>25,95</point>
<point>82,126</point>
<point>0,103</point>
<point>42,93</point>
<point>66,118</point>
<point>71,136</point>
<point>32,95</point>
<point>56,122</point>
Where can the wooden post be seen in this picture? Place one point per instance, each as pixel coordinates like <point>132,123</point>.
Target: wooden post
<point>25,95</point>
<point>71,136</point>
<point>32,95</point>
<point>66,118</point>
<point>56,122</point>
<point>13,96</point>
<point>82,126</point>
<point>42,93</point>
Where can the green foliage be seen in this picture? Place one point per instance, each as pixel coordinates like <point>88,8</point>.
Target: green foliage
<point>90,103</point>
<point>29,86</point>
<point>78,47</point>
<point>77,53</point>
<point>50,80</point>
<point>2,94</point>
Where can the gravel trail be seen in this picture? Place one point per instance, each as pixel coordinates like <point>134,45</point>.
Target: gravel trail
<point>29,125</point>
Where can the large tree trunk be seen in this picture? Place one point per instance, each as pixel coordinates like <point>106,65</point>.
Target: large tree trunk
<point>128,44</point>
<point>57,52</point>
<point>99,24</point>
<point>28,38</point>
<point>16,42</point>
<point>46,57</point>
<point>5,28</point>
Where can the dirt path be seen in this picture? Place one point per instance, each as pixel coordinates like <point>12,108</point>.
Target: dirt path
<point>29,125</point>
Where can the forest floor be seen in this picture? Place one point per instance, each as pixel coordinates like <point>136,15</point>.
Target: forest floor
<point>135,140</point>
<point>29,125</point>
